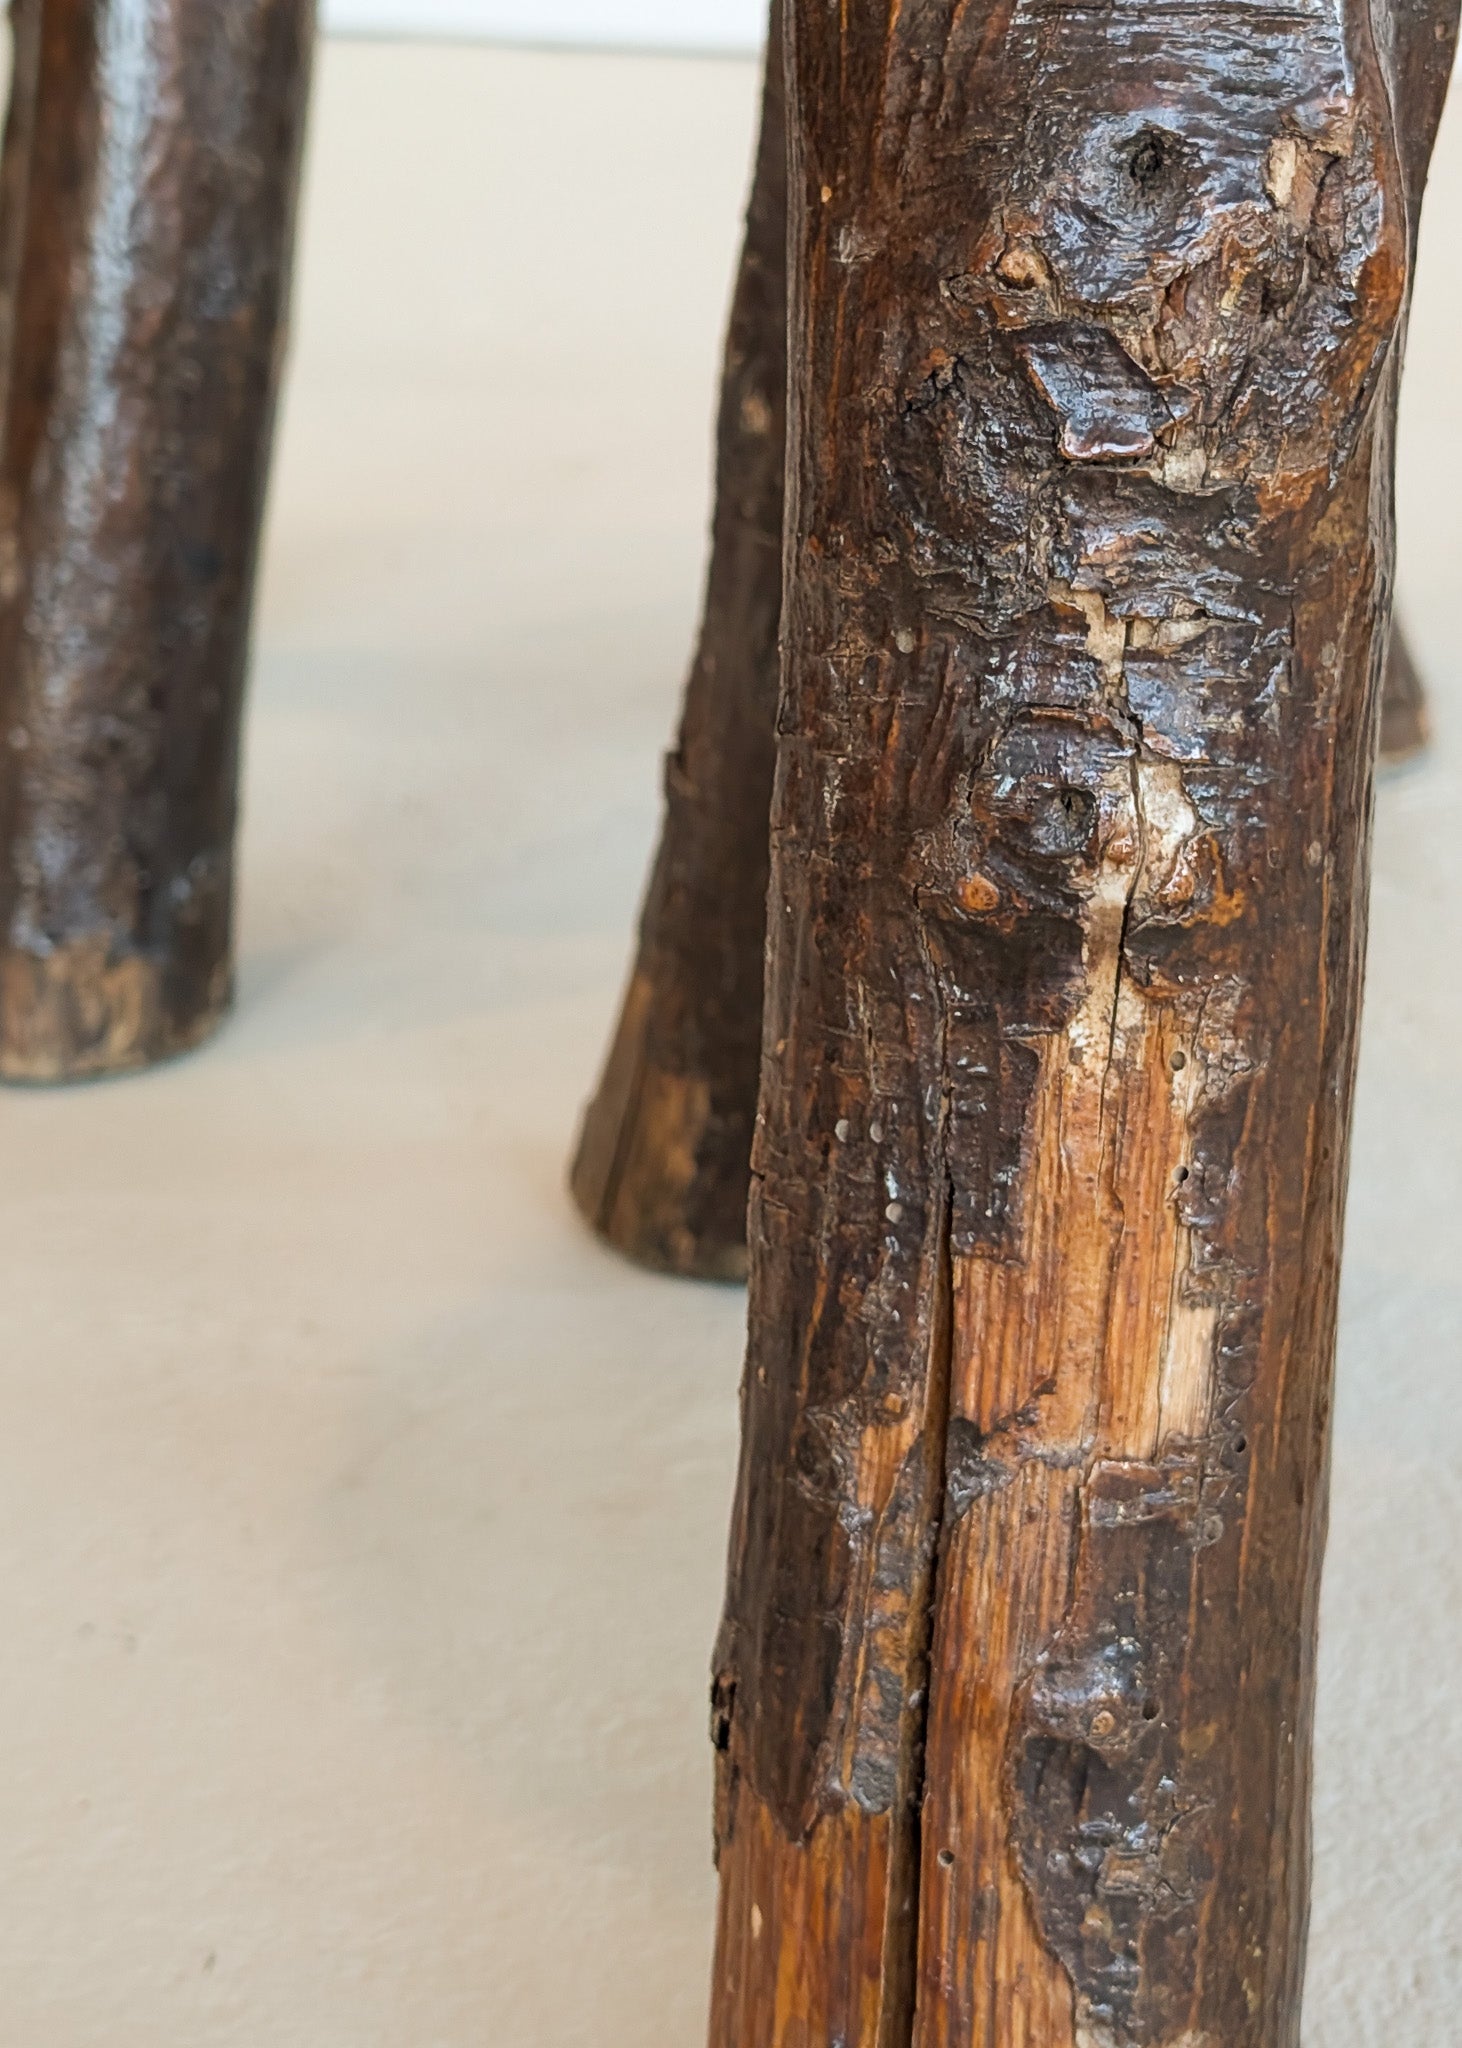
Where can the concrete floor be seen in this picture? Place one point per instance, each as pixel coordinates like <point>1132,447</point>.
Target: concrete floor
<point>361,1522</point>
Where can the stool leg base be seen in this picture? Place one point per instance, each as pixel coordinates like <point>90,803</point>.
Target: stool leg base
<point>664,1161</point>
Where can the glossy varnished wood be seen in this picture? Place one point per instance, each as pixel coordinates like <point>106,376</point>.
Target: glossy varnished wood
<point>149,187</point>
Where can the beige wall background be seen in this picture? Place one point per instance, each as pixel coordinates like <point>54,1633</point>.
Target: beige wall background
<point>623,24</point>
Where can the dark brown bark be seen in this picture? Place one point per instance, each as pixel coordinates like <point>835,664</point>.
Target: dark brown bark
<point>663,1162</point>
<point>1095,338</point>
<point>662,1169</point>
<point>149,181</point>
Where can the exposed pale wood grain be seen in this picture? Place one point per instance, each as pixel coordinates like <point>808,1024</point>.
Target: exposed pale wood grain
<point>661,1169</point>
<point>1095,334</point>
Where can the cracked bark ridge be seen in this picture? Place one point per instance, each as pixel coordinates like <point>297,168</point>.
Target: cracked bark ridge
<point>1095,337</point>
<point>664,1159</point>
<point>149,181</point>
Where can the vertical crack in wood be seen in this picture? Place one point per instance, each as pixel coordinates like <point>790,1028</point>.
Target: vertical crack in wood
<point>1087,574</point>
<point>900,1968</point>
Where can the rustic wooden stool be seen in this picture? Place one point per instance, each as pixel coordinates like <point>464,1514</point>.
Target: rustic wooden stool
<point>1096,322</point>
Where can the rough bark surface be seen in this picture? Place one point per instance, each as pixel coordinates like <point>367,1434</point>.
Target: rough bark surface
<point>664,1159</point>
<point>149,183</point>
<point>663,1179</point>
<point>1096,327</point>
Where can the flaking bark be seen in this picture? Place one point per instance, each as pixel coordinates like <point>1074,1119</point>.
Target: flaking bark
<point>662,1168</point>
<point>149,185</point>
<point>1095,338</point>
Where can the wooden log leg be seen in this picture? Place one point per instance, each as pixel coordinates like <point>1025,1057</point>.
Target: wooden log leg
<point>663,1167</point>
<point>664,1159</point>
<point>1094,341</point>
<point>149,182</point>
<point>1405,727</point>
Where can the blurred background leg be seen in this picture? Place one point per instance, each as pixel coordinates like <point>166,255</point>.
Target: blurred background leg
<point>1405,729</point>
<point>1069,887</point>
<point>150,175</point>
<point>664,1160</point>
